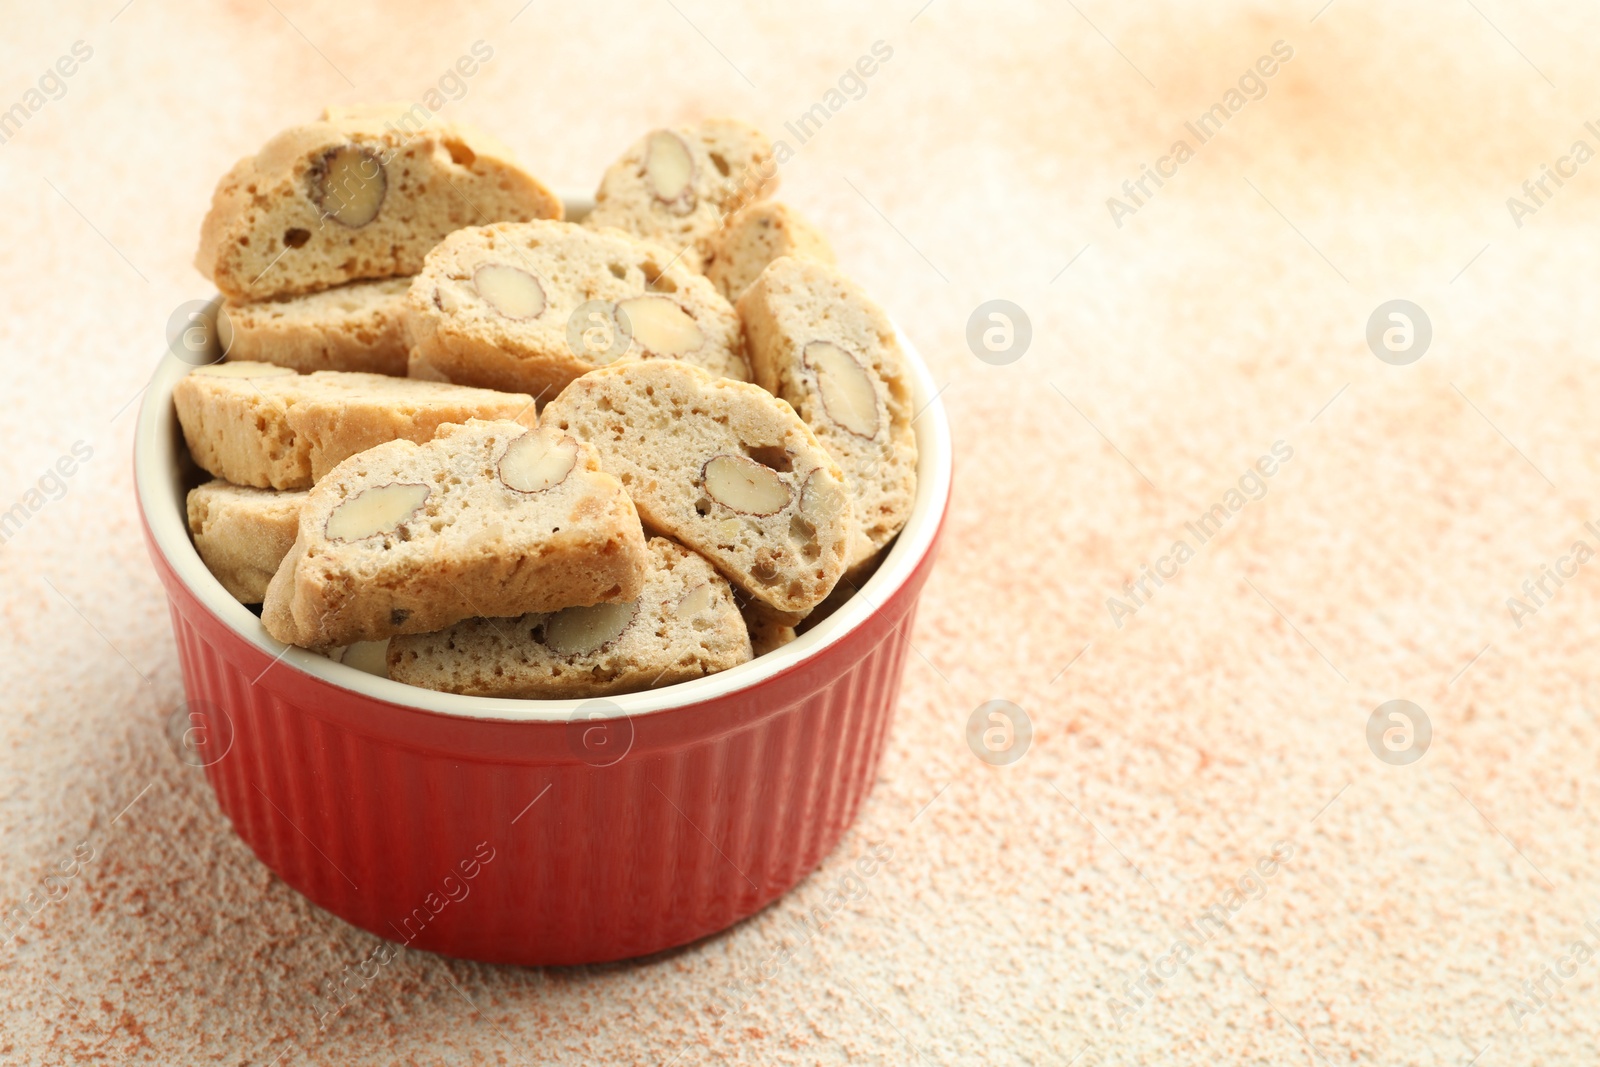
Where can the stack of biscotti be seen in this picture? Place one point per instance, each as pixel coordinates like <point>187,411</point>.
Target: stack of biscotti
<point>307,238</point>
<point>266,434</point>
<point>313,241</point>
<point>743,502</point>
<point>704,481</point>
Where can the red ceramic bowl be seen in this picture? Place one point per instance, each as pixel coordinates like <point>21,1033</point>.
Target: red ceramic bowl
<point>537,831</point>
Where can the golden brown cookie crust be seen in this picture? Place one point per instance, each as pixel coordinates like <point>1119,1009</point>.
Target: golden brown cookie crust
<point>683,625</point>
<point>243,533</point>
<point>263,425</point>
<point>356,327</point>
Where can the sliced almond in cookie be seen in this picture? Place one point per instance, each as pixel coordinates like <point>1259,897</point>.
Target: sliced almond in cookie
<point>745,486</point>
<point>511,291</point>
<point>536,463</point>
<point>661,326</point>
<point>696,601</point>
<point>370,657</point>
<point>669,169</point>
<point>580,631</point>
<point>849,397</point>
<point>378,510</point>
<point>348,184</point>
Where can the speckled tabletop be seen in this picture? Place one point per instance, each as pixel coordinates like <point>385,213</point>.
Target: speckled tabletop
<point>1215,514</point>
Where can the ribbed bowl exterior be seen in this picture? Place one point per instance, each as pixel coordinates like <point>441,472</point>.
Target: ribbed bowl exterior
<point>504,841</point>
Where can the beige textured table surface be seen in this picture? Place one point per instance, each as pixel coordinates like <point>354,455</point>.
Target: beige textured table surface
<point>1030,911</point>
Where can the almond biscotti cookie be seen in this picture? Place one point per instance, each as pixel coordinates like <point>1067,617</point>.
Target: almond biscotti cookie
<point>243,533</point>
<point>754,236</point>
<point>264,425</point>
<point>723,467</point>
<point>817,341</point>
<point>356,327</point>
<point>487,519</point>
<point>531,306</point>
<point>363,193</point>
<point>683,625</point>
<point>675,187</point>
<point>769,629</point>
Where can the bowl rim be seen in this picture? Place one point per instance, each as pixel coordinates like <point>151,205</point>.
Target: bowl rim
<point>162,502</point>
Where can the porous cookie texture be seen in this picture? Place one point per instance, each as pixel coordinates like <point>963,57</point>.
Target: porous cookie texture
<point>723,467</point>
<point>817,341</point>
<point>754,236</point>
<point>532,306</point>
<point>676,187</point>
<point>768,629</point>
<point>355,327</point>
<point>264,425</point>
<point>363,193</point>
<point>242,534</point>
<point>488,519</point>
<point>683,625</point>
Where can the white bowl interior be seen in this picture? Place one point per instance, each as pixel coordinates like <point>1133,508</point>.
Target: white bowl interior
<point>159,467</point>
